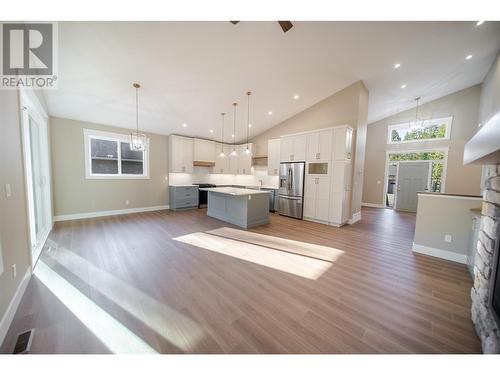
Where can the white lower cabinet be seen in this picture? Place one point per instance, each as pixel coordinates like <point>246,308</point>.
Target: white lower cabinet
<point>317,197</point>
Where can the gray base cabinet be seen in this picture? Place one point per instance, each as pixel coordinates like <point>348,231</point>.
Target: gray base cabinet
<point>183,197</point>
<point>245,211</point>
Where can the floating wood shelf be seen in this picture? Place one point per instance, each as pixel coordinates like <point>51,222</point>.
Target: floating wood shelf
<point>199,163</point>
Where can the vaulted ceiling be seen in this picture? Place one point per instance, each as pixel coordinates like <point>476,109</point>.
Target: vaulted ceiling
<point>190,72</point>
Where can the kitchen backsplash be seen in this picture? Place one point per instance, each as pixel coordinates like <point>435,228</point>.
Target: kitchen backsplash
<point>201,175</point>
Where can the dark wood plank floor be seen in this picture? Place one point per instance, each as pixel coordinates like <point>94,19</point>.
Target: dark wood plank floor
<point>159,282</point>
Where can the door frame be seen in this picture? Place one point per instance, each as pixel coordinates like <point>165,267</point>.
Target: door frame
<point>410,151</point>
<point>31,106</point>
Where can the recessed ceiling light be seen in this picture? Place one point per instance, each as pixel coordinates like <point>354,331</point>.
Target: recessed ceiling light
<point>249,125</point>
<point>468,57</point>
<point>184,125</point>
<point>403,86</point>
<point>397,65</point>
<point>479,23</point>
<point>211,130</point>
<point>295,96</point>
<point>270,113</point>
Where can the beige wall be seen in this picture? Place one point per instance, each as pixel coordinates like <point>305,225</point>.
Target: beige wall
<point>464,107</point>
<point>13,215</point>
<point>74,194</point>
<point>490,93</point>
<point>440,215</point>
<point>346,107</point>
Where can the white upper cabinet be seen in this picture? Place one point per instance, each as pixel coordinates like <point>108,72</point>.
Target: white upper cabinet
<point>343,137</point>
<point>293,148</point>
<point>244,159</point>
<point>180,154</point>
<point>221,162</point>
<point>319,145</point>
<point>273,157</point>
<point>204,150</point>
<point>232,159</point>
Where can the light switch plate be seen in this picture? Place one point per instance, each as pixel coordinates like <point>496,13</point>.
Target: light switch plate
<point>447,237</point>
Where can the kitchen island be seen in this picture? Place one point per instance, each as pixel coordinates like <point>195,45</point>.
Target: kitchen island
<point>242,207</point>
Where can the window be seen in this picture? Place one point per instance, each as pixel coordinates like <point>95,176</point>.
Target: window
<point>420,131</point>
<point>108,155</point>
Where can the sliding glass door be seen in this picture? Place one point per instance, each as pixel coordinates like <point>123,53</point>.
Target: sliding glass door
<point>36,161</point>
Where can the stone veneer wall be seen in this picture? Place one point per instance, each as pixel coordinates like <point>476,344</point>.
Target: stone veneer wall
<point>484,322</point>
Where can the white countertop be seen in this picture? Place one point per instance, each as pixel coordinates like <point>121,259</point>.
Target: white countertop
<point>235,191</point>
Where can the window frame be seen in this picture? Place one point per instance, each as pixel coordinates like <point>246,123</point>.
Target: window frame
<point>89,134</point>
<point>423,123</point>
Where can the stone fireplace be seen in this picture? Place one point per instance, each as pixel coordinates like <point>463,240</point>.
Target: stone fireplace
<point>485,324</point>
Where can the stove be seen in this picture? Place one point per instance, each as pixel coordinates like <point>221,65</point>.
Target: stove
<point>203,195</point>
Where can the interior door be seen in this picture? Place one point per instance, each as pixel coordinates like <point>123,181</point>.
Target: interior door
<point>412,177</point>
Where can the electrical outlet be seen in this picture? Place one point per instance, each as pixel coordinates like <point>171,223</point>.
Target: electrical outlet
<point>127,202</point>
<point>447,237</point>
<point>14,271</point>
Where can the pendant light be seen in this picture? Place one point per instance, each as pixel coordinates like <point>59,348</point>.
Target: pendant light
<point>247,150</point>
<point>234,153</point>
<point>222,137</point>
<point>137,140</point>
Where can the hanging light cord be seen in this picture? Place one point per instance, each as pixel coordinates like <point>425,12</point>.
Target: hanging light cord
<point>416,110</point>
<point>222,134</point>
<point>137,109</point>
<point>248,115</point>
<point>234,127</point>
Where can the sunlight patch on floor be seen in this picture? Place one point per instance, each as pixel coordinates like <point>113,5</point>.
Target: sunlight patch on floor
<point>174,327</point>
<point>298,258</point>
<point>329,254</point>
<point>114,335</point>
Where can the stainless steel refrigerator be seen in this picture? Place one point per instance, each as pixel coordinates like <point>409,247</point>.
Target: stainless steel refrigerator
<point>291,189</point>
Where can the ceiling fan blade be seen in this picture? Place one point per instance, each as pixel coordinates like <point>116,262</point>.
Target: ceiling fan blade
<point>234,22</point>
<point>285,25</point>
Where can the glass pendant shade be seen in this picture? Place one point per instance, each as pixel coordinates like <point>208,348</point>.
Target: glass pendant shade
<point>137,141</point>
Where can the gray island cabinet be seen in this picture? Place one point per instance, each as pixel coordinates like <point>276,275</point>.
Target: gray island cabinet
<point>242,207</point>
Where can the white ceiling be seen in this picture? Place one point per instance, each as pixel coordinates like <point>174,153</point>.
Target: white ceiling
<point>190,72</point>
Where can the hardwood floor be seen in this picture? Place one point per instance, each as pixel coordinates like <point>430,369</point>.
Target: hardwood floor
<point>181,283</point>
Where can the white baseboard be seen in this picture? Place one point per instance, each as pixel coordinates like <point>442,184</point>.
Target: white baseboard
<point>87,215</point>
<point>373,205</point>
<point>355,218</point>
<point>438,253</point>
<point>13,305</point>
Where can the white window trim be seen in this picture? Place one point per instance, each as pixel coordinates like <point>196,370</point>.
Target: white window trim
<point>422,124</point>
<point>88,134</point>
